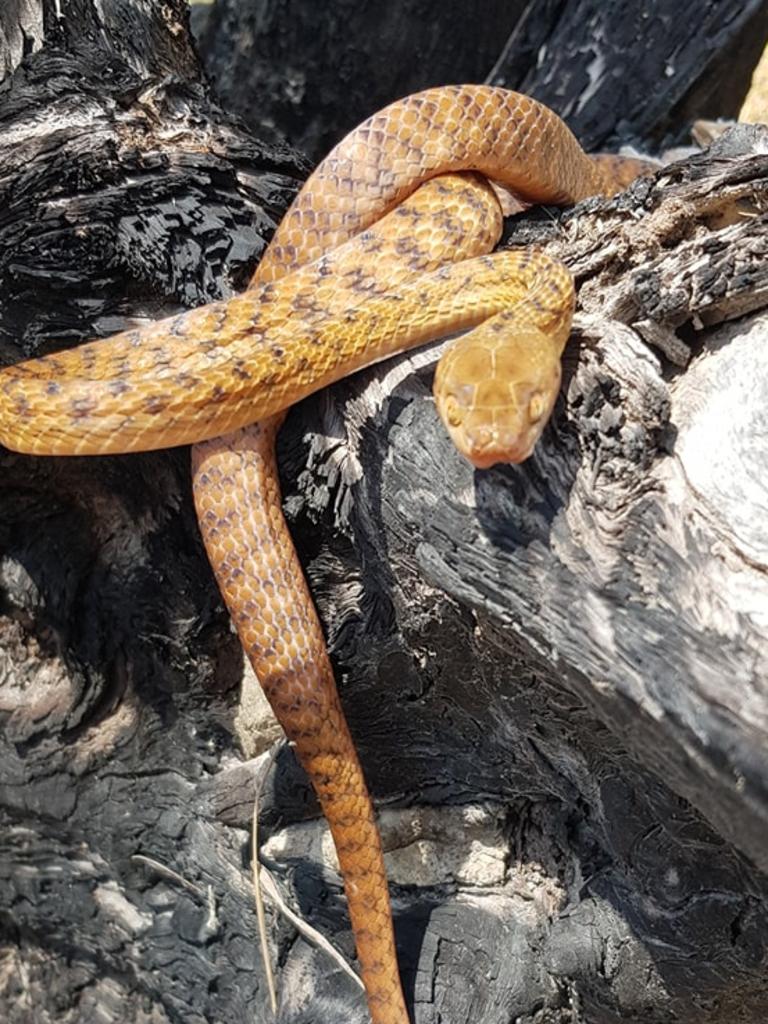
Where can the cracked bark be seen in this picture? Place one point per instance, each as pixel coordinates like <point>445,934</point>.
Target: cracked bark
<point>618,72</point>
<point>556,672</point>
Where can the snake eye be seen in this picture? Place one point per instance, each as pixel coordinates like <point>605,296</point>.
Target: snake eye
<point>536,407</point>
<point>453,412</point>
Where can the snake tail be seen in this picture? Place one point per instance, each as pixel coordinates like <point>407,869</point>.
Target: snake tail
<point>260,578</point>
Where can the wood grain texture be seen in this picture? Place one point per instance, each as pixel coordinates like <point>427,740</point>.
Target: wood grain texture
<point>691,59</point>
<point>119,674</point>
<point>624,559</point>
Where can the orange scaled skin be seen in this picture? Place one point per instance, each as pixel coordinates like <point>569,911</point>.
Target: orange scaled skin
<point>229,364</point>
<point>447,219</point>
<point>237,498</point>
<point>222,366</point>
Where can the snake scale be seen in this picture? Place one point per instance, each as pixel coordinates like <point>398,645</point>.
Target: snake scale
<point>385,247</point>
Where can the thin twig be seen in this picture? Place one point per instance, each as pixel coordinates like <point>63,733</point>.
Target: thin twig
<point>257,883</point>
<point>311,934</point>
<point>163,869</point>
<point>263,882</point>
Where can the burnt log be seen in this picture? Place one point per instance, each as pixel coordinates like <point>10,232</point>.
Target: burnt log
<point>555,672</point>
<point>585,633</point>
<point>617,72</point>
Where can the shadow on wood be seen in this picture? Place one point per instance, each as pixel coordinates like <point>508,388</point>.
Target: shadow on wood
<point>555,672</point>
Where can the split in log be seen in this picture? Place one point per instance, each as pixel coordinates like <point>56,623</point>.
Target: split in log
<point>555,672</point>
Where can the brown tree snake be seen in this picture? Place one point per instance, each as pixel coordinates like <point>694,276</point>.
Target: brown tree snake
<point>385,247</point>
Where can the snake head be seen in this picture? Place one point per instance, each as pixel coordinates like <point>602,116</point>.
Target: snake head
<point>495,392</point>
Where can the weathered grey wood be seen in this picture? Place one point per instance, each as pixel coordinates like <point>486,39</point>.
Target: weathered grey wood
<point>21,28</point>
<point>533,781</point>
<point>587,632</point>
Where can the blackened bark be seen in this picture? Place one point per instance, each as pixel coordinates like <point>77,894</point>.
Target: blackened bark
<point>556,673</point>
<point>618,71</point>
<point>125,194</point>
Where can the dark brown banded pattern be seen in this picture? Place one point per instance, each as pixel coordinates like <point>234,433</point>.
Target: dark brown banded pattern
<point>302,324</point>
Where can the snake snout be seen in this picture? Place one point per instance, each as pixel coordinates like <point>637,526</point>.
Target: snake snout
<point>493,422</point>
<point>487,446</point>
<point>487,434</point>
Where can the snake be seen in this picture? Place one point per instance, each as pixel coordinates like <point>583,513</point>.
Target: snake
<point>388,245</point>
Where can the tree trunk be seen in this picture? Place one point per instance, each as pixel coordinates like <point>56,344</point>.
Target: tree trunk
<point>617,72</point>
<point>556,672</point>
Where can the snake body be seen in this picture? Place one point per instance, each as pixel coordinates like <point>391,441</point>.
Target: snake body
<point>384,248</point>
